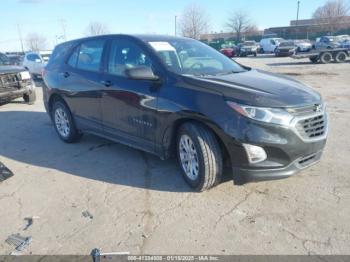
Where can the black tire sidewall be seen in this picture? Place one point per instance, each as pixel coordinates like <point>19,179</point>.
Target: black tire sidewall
<point>340,60</point>
<point>324,55</point>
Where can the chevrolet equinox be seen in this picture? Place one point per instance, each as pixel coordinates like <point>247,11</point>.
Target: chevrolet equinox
<point>177,96</point>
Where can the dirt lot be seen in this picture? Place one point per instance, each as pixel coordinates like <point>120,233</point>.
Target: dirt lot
<point>141,204</point>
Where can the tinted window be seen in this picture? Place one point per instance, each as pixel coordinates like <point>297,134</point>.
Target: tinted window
<point>59,53</point>
<point>33,57</point>
<point>125,54</point>
<point>90,54</point>
<point>73,59</point>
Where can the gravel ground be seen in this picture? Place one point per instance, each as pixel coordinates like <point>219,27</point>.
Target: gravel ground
<point>142,205</point>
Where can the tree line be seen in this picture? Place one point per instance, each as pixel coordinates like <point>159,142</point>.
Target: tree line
<point>195,21</point>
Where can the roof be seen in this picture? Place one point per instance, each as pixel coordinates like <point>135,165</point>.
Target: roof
<point>143,37</point>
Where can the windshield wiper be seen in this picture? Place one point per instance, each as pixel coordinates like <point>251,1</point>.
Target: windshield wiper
<point>228,73</point>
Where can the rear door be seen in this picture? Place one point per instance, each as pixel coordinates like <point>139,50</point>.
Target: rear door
<point>81,83</point>
<point>129,106</point>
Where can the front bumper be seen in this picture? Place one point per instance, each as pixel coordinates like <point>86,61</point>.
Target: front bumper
<point>288,151</point>
<point>10,94</point>
<point>279,173</point>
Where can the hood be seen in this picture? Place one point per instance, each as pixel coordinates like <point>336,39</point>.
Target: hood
<point>5,69</point>
<point>260,88</point>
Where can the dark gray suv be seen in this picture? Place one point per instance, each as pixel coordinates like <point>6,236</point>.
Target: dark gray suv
<point>177,96</point>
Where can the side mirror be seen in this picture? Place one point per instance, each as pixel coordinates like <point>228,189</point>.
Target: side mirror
<point>37,60</point>
<point>141,73</point>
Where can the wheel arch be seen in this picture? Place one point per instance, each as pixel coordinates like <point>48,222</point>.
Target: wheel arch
<point>173,130</point>
<point>55,97</point>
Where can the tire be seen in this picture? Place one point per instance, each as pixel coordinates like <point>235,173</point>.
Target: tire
<point>206,169</point>
<point>30,98</point>
<point>326,57</point>
<point>340,57</point>
<point>63,122</point>
<point>314,59</point>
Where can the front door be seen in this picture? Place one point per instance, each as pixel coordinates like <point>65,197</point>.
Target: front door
<point>129,106</point>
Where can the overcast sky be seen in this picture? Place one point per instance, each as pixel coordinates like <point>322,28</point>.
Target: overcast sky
<point>48,17</point>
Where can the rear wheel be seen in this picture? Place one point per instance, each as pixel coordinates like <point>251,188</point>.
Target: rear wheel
<point>340,57</point>
<point>30,97</point>
<point>326,58</point>
<point>200,156</point>
<point>63,122</point>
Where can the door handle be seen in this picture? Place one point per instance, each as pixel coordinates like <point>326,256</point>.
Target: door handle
<point>66,74</point>
<point>106,83</point>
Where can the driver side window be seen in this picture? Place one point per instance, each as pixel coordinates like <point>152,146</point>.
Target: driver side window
<point>125,54</point>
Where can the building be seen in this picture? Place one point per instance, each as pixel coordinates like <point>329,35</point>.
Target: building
<point>229,36</point>
<point>312,28</point>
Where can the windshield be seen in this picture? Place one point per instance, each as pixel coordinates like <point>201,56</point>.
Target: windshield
<point>249,43</point>
<point>4,60</point>
<point>191,57</point>
<point>289,43</point>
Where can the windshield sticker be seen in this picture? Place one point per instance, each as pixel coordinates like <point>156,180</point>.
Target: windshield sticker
<point>162,46</point>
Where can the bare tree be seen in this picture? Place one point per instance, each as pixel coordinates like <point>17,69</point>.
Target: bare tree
<point>36,42</point>
<point>240,23</point>
<point>194,21</point>
<point>331,15</point>
<point>96,28</point>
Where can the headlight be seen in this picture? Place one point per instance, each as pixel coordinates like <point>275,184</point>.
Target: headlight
<point>25,75</point>
<point>268,115</point>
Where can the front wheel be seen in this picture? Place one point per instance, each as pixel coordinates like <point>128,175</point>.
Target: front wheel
<point>63,122</point>
<point>30,98</point>
<point>200,156</point>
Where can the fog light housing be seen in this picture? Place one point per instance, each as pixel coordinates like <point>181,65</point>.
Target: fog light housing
<point>255,154</point>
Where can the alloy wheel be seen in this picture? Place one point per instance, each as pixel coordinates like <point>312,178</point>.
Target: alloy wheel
<point>189,157</point>
<point>62,122</point>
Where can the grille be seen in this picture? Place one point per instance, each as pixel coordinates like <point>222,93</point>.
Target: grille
<point>306,110</point>
<point>9,81</point>
<point>312,127</point>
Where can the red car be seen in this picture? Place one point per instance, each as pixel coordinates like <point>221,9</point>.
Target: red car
<point>228,51</point>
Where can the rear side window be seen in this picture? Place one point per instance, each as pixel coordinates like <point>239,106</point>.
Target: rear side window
<point>59,53</point>
<point>90,54</point>
<point>73,59</point>
<point>33,57</point>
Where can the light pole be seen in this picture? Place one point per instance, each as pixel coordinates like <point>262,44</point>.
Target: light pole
<point>297,23</point>
<point>20,37</point>
<point>175,25</point>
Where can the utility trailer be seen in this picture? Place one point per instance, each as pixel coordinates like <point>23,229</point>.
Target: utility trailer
<point>324,56</point>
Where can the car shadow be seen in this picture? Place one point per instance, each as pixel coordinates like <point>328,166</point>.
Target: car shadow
<point>29,137</point>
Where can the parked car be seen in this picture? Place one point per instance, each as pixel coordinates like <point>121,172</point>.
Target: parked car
<point>346,44</point>
<point>15,82</point>
<point>229,51</point>
<point>248,48</point>
<point>35,62</point>
<point>285,48</point>
<point>303,45</point>
<point>343,38</point>
<point>177,96</point>
<point>327,42</point>
<point>269,45</point>
<point>15,59</point>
